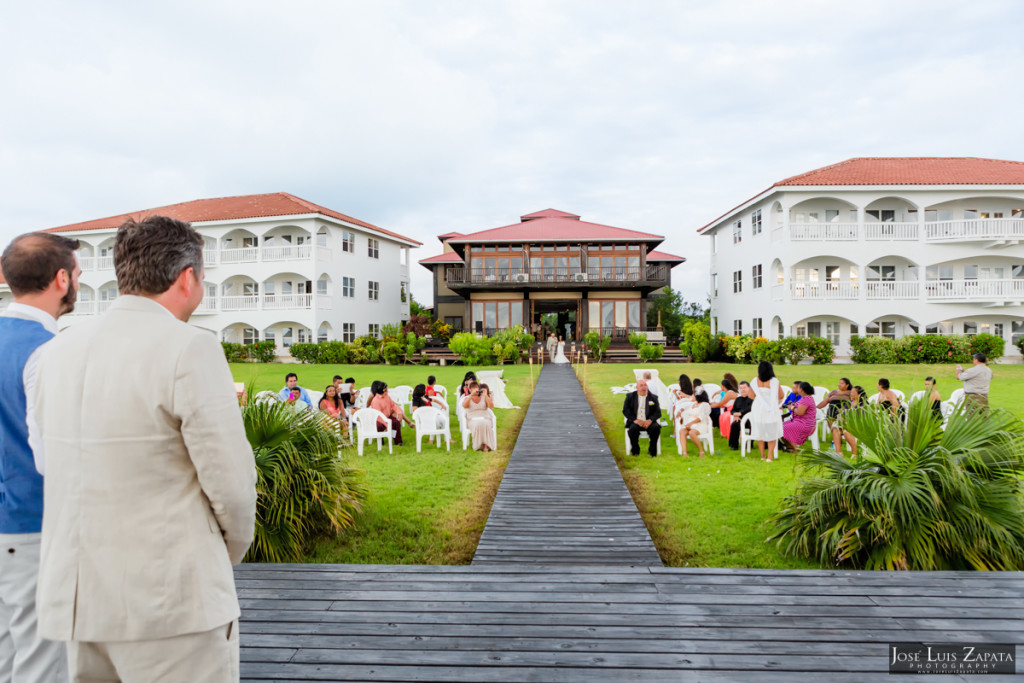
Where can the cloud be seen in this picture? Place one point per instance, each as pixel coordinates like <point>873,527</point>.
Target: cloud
<point>430,117</point>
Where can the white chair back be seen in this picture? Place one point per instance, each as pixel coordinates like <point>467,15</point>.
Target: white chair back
<point>820,393</point>
<point>900,395</point>
<point>956,397</point>
<point>713,391</point>
<point>265,397</point>
<point>429,422</point>
<point>363,424</point>
<point>917,396</point>
<point>402,395</point>
<point>314,398</point>
<point>362,397</point>
<point>441,389</point>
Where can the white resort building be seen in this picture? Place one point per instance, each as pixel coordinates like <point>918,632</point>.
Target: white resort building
<point>278,268</point>
<point>875,246</point>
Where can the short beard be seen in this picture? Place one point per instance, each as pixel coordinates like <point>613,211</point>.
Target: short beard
<point>67,302</point>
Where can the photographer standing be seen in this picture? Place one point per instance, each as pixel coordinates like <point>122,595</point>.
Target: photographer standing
<point>976,381</point>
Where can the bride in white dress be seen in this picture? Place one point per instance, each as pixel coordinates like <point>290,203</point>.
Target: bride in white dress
<point>560,353</point>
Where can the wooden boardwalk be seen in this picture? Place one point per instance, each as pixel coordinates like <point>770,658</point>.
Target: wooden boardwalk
<point>566,587</point>
<point>562,499</point>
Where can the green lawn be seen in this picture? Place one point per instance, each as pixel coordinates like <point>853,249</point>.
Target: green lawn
<point>422,508</point>
<point>711,512</point>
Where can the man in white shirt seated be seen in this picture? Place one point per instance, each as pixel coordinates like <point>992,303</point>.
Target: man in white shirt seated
<point>291,381</point>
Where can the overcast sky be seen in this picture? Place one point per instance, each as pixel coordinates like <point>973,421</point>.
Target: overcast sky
<point>427,117</point>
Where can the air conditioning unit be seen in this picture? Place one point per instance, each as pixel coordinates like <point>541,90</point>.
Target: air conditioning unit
<point>580,277</point>
<point>521,277</point>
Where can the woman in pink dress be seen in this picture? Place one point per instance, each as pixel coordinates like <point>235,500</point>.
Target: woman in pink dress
<point>799,428</point>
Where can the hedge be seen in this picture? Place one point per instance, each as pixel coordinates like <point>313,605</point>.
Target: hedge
<point>925,348</point>
<point>748,349</point>
<point>258,352</point>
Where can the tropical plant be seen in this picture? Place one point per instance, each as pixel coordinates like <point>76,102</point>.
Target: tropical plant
<point>233,352</point>
<point>418,324</point>
<point>793,349</point>
<point>696,341</point>
<point>918,497</point>
<point>820,350</point>
<point>597,345</point>
<point>472,349</point>
<point>637,339</point>
<point>303,488</point>
<point>650,352</point>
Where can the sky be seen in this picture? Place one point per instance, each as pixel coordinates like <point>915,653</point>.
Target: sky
<point>431,117</point>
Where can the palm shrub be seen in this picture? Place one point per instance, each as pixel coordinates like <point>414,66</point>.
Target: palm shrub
<point>597,344</point>
<point>303,488</point>
<point>919,497</point>
<point>650,352</point>
<point>637,339</point>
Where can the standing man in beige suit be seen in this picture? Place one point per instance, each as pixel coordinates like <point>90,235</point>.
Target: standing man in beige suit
<point>150,481</point>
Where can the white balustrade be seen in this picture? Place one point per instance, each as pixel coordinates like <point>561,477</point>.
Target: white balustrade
<point>806,232</point>
<point>890,231</point>
<point>86,262</point>
<point>975,229</point>
<point>209,257</point>
<point>84,308</point>
<point>287,252</point>
<point>275,302</point>
<point>824,290</point>
<point>102,306</point>
<point>239,303</point>
<point>105,263</point>
<point>893,289</point>
<point>974,290</point>
<point>208,305</point>
<point>240,255</point>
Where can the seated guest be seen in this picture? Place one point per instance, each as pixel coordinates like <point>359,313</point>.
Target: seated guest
<point>384,403</point>
<point>858,401</point>
<point>464,388</point>
<point>642,412</point>
<point>836,400</point>
<point>340,388</point>
<point>887,398</point>
<point>803,422</point>
<point>294,400</point>
<point>792,397</point>
<point>740,407</point>
<point>721,399</point>
<point>291,381</point>
<point>933,396</point>
<point>429,388</point>
<point>685,390</point>
<point>479,406</point>
<point>349,394</point>
<point>420,399</point>
<point>332,405</point>
<point>698,424</point>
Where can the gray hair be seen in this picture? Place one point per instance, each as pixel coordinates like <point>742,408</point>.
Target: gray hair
<point>150,254</point>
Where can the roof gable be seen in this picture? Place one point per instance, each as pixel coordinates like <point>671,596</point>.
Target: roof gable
<point>230,208</point>
<point>556,226</point>
<point>548,213</point>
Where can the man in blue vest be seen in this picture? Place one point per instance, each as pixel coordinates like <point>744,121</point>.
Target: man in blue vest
<point>42,271</point>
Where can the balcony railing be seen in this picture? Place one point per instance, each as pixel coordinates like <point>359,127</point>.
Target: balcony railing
<point>86,262</point>
<point>84,308</point>
<point>286,253</point>
<point>521,276</point>
<point>104,263</point>
<point>102,306</point>
<point>240,303</point>
<point>269,302</point>
<point>893,289</point>
<point>975,229</point>
<point>824,290</point>
<point>208,305</point>
<point>966,230</point>
<point>276,302</point>
<point>240,255</point>
<point>974,290</point>
<point>209,257</point>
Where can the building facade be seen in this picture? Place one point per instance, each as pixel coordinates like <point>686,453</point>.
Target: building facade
<point>875,246</point>
<point>278,268</point>
<point>550,268</point>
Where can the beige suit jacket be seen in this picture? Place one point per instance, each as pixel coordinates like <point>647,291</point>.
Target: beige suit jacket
<point>150,482</point>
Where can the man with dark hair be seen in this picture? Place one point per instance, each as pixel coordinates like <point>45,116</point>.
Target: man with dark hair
<point>291,381</point>
<point>42,271</point>
<point>976,381</point>
<point>150,482</point>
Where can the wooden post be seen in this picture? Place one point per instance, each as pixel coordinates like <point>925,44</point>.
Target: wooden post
<point>531,372</point>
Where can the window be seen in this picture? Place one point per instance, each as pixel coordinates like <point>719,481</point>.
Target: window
<point>782,330</point>
<point>997,329</point>
<point>814,329</point>
<point>455,321</point>
<point>755,223</point>
<point>250,336</point>
<point>883,215</point>
<point>832,333</point>
<point>737,282</point>
<point>970,329</point>
<point>270,335</point>
<point>714,284</point>
<point>286,337</point>
<point>491,316</point>
<point>756,277</point>
<point>321,287</point>
<point>831,215</point>
<point>348,332</point>
<point>854,329</point>
<point>321,239</point>
<point>1016,331</point>
<point>881,328</point>
<point>374,291</point>
<point>373,248</point>
<point>737,232</point>
<point>737,327</point>
<point>304,336</point>
<point>374,329</point>
<point>321,335</point>
<point>348,241</point>
<point>403,292</point>
<point>348,287</point>
<point>755,327</point>
<point>611,315</point>
<point>883,273</point>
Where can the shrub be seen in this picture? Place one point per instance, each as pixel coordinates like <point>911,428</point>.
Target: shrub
<point>235,353</point>
<point>359,355</point>
<point>420,325</point>
<point>334,353</point>
<point>515,343</point>
<point>873,349</point>
<point>820,350</point>
<point>793,349</point>
<point>988,344</point>
<point>306,353</point>
<point>765,349</point>
<point>738,348</point>
<point>261,352</point>
<point>441,330</point>
<point>393,353</point>
<point>303,488</point>
<point>919,498</point>
<point>597,345</point>
<point>637,339</point>
<point>716,350</point>
<point>696,341</point>
<point>472,349</point>
<point>650,352</point>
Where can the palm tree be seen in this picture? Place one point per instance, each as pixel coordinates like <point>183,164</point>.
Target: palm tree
<point>918,497</point>
<point>303,488</point>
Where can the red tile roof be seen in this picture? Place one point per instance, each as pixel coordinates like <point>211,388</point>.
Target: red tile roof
<point>446,257</point>
<point>903,171</point>
<point>548,213</point>
<point>913,171</point>
<point>555,226</point>
<point>230,208</point>
<point>449,235</point>
<point>663,256</point>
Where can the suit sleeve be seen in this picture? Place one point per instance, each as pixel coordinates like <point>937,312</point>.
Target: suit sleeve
<point>626,412</point>
<point>211,426</point>
<point>654,414</point>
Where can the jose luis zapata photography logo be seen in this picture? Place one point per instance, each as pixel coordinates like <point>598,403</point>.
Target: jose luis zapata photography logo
<point>932,658</point>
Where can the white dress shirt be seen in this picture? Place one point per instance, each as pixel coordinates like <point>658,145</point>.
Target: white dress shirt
<point>16,310</point>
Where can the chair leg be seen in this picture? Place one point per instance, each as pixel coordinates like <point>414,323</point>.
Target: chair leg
<point>419,442</point>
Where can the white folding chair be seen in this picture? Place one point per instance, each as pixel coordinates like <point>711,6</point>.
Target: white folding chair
<point>362,397</point>
<point>708,439</point>
<point>429,423</point>
<point>265,397</point>
<point>917,396</point>
<point>314,398</point>
<point>956,398</point>
<point>402,395</point>
<point>442,390</point>
<point>713,391</point>
<point>363,427</point>
<point>746,440</point>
